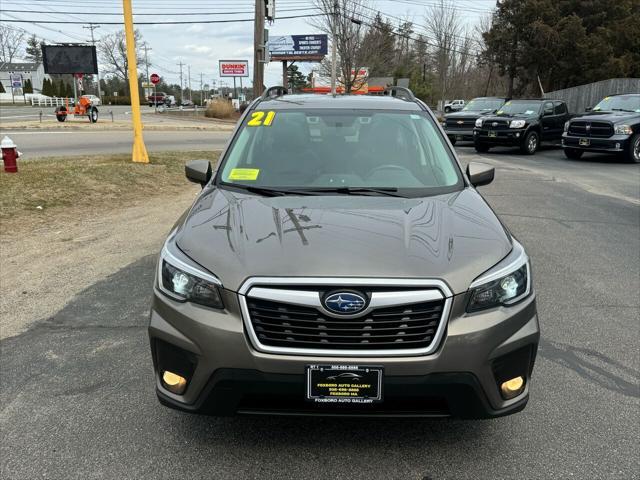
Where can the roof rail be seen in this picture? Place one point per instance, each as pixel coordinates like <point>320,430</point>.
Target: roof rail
<point>276,91</point>
<point>406,93</point>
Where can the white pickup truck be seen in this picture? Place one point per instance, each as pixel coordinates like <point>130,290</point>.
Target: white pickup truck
<point>454,106</point>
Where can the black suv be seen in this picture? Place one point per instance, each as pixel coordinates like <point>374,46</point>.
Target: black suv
<point>459,125</point>
<point>612,126</point>
<point>522,123</point>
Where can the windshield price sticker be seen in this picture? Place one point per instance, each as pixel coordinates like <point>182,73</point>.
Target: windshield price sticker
<point>344,384</point>
<point>261,119</point>
<point>244,174</point>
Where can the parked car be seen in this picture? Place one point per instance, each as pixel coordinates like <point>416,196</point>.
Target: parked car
<point>454,106</point>
<point>459,125</point>
<point>95,100</point>
<point>158,98</point>
<point>170,101</point>
<point>187,103</point>
<point>522,123</point>
<point>612,126</point>
<point>342,237</point>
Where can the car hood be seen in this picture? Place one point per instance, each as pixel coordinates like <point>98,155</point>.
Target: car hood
<point>613,117</point>
<point>453,237</point>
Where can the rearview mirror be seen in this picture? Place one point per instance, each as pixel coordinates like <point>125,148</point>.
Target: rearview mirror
<point>480,173</point>
<point>198,171</point>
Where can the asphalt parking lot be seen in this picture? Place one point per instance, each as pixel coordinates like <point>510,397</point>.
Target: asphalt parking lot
<point>77,398</point>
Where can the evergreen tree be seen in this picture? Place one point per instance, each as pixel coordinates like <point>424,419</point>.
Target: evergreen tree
<point>28,86</point>
<point>34,49</point>
<point>2,88</point>
<point>295,78</point>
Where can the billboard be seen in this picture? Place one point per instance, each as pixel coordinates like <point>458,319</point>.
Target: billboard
<point>70,59</point>
<point>234,68</point>
<point>16,80</point>
<point>298,47</point>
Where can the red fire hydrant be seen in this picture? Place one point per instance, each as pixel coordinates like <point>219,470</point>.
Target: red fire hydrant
<point>10,155</point>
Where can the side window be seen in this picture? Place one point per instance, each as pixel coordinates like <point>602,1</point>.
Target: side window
<point>561,108</point>
<point>548,108</point>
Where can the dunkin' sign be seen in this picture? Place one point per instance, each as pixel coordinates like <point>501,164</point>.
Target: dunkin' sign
<point>234,68</point>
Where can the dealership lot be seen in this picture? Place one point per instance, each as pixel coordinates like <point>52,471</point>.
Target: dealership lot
<point>77,391</point>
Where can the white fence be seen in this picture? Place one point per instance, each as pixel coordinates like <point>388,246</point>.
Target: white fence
<point>50,101</point>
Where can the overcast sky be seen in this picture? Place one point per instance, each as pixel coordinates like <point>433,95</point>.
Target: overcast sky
<point>201,45</point>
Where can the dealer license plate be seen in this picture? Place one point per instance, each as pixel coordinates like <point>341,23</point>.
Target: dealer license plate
<point>493,134</point>
<point>344,384</point>
<point>584,142</point>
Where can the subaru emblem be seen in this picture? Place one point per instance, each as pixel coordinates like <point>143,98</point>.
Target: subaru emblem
<point>344,303</point>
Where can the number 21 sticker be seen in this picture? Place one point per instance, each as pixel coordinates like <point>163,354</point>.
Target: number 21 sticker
<point>259,119</point>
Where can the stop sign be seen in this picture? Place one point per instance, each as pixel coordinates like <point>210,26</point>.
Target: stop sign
<point>155,78</point>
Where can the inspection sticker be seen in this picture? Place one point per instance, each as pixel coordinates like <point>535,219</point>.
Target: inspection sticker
<point>244,174</point>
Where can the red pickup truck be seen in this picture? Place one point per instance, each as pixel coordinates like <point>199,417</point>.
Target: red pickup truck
<point>159,98</point>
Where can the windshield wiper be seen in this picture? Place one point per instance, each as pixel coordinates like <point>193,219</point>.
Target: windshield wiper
<point>622,110</point>
<point>270,192</point>
<point>387,191</point>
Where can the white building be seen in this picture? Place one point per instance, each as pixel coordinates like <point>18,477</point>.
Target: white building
<point>32,71</point>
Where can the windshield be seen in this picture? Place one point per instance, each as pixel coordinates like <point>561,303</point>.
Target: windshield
<point>341,149</point>
<point>483,104</point>
<point>520,108</point>
<point>625,103</point>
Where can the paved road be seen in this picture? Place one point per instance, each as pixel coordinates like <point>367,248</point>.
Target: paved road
<point>62,143</point>
<point>77,388</point>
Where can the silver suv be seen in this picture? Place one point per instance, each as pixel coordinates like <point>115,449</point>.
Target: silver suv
<point>339,261</point>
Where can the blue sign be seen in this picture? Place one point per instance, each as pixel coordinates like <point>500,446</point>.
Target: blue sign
<point>289,46</point>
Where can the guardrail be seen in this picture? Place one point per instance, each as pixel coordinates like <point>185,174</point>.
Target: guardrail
<point>50,101</point>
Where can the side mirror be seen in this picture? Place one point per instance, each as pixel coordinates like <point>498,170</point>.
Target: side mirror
<point>480,173</point>
<point>198,171</point>
<point>588,109</point>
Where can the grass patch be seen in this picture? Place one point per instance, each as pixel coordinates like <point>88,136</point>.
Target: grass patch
<point>220,109</point>
<point>93,181</point>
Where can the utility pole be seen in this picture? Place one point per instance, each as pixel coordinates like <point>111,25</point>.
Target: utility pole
<point>189,81</point>
<point>180,64</point>
<point>139,153</point>
<point>333,47</point>
<point>92,27</point>
<point>147,92</point>
<point>201,91</point>
<point>258,49</point>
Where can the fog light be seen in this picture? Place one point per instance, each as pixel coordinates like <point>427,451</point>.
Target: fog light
<point>512,388</point>
<point>617,146</point>
<point>174,382</point>
<point>517,134</point>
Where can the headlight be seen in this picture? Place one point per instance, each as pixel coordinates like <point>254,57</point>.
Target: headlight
<point>517,123</point>
<point>185,283</point>
<point>566,126</point>
<point>479,123</point>
<point>623,130</point>
<point>505,284</point>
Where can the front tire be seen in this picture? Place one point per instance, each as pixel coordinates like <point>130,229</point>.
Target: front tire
<point>530,144</point>
<point>632,154</point>
<point>573,154</point>
<point>481,147</point>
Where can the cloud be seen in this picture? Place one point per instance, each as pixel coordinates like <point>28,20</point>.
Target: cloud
<point>197,28</point>
<point>198,48</point>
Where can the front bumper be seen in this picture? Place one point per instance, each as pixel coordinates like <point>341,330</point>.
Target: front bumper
<point>510,137</point>
<point>459,134</point>
<point>613,144</point>
<point>226,375</point>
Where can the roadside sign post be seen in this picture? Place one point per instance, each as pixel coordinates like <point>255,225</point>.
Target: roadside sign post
<point>293,48</point>
<point>16,84</point>
<point>155,80</point>
<point>234,68</point>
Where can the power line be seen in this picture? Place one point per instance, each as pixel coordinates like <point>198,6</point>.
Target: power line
<point>187,22</point>
<point>164,14</point>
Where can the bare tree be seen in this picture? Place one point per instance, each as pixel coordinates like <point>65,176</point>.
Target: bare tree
<point>443,27</point>
<point>344,16</point>
<point>11,43</point>
<point>113,53</point>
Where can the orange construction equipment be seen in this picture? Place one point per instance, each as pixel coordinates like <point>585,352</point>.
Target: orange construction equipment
<point>81,108</point>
